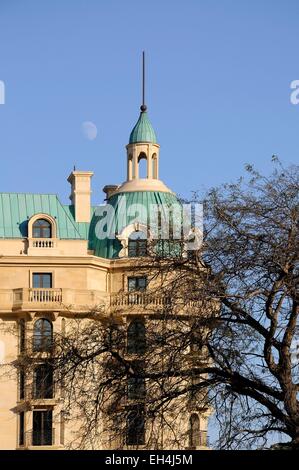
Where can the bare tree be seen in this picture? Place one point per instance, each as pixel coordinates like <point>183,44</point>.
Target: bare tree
<point>249,264</point>
<point>221,337</point>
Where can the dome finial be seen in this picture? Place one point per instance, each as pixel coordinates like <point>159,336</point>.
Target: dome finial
<point>143,107</point>
<point>143,130</point>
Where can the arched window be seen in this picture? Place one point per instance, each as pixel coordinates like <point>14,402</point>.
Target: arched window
<point>136,337</point>
<point>142,165</point>
<point>41,229</point>
<point>136,426</point>
<point>137,245</point>
<point>42,335</point>
<point>194,431</point>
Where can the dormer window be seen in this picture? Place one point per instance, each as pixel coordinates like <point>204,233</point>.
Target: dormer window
<point>41,228</point>
<point>137,245</point>
<point>135,240</point>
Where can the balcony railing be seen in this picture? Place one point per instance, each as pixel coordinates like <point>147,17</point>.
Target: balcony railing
<point>152,301</point>
<point>138,298</point>
<point>201,441</point>
<point>45,295</point>
<point>42,243</point>
<point>38,295</point>
<point>56,298</point>
<point>39,438</point>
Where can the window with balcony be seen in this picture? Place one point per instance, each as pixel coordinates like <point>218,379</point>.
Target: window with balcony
<point>137,284</point>
<point>42,280</point>
<point>136,337</point>
<point>42,335</point>
<point>41,228</point>
<point>42,434</point>
<point>136,426</point>
<point>43,381</point>
<point>137,244</point>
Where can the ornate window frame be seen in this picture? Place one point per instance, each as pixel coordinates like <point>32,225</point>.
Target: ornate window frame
<point>124,236</point>
<point>47,217</point>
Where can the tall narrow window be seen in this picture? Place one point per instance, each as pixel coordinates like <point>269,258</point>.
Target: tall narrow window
<point>22,428</point>
<point>136,337</point>
<point>194,431</point>
<point>62,427</point>
<point>136,383</point>
<point>42,335</point>
<point>137,245</point>
<point>43,381</point>
<point>142,165</point>
<point>41,229</point>
<point>22,384</point>
<point>22,335</point>
<point>42,428</point>
<point>136,426</point>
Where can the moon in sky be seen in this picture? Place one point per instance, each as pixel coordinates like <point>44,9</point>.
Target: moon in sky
<point>89,130</point>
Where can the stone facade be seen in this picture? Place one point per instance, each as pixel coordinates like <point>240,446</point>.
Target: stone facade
<point>52,268</point>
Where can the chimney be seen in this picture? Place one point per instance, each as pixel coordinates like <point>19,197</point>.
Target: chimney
<point>80,194</point>
<point>110,189</point>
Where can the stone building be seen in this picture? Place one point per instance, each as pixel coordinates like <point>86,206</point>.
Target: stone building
<point>51,256</point>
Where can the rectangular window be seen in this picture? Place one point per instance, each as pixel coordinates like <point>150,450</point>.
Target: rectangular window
<point>22,385</point>
<point>136,426</point>
<point>136,388</point>
<point>62,427</point>
<point>136,385</point>
<point>136,337</point>
<point>22,428</point>
<point>43,381</point>
<point>42,428</point>
<point>22,333</point>
<point>137,283</point>
<point>42,280</point>
<point>137,248</point>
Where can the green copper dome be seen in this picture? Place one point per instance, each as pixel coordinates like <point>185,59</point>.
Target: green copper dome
<point>143,130</point>
<point>122,204</point>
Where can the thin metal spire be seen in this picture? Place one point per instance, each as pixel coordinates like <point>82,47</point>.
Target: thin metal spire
<point>143,106</point>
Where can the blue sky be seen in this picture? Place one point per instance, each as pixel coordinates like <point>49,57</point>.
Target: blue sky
<point>218,88</point>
